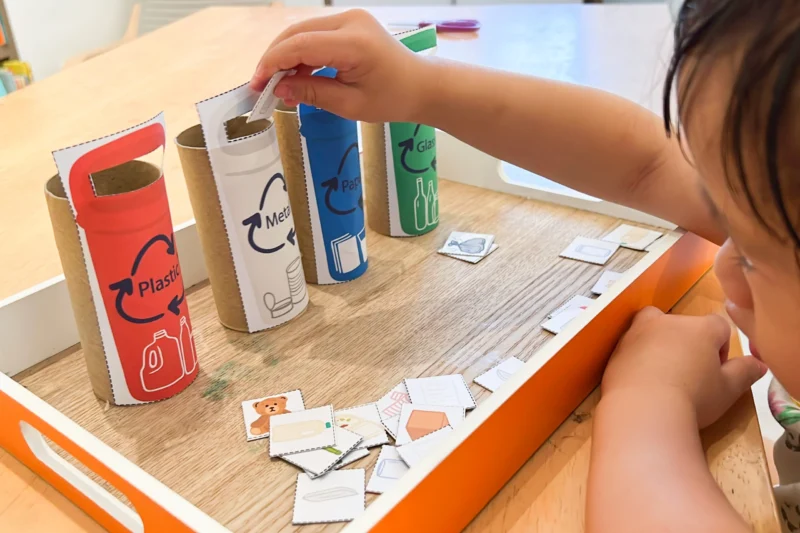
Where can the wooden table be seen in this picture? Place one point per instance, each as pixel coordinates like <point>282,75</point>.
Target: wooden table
<point>455,317</point>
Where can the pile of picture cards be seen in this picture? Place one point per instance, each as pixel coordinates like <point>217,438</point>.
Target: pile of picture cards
<point>469,247</point>
<point>417,413</point>
<point>597,251</point>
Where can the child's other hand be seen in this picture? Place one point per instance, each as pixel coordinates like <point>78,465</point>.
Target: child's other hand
<point>378,78</point>
<point>683,354</point>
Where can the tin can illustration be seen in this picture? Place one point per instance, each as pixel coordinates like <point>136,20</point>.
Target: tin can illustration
<point>254,201</point>
<point>133,266</point>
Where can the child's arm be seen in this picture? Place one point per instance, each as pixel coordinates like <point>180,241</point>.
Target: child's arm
<point>587,139</point>
<point>648,471</point>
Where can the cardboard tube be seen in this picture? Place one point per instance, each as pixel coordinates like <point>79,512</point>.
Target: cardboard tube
<point>131,176</point>
<point>375,177</point>
<point>69,250</point>
<point>211,227</point>
<point>288,130</point>
<point>401,179</point>
<point>319,152</point>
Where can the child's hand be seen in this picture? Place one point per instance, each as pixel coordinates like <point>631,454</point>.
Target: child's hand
<point>378,78</point>
<point>684,354</point>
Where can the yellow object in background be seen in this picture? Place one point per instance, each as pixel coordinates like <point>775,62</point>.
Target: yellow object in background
<point>19,68</point>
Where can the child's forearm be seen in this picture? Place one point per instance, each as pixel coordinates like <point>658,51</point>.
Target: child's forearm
<point>648,471</point>
<point>587,139</point>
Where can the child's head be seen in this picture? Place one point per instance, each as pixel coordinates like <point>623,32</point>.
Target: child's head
<point>736,72</point>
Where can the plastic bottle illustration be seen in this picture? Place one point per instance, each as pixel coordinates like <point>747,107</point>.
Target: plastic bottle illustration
<point>188,353</point>
<point>420,208</point>
<point>433,204</point>
<point>162,365</point>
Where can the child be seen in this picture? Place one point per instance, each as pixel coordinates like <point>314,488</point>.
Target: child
<point>735,181</point>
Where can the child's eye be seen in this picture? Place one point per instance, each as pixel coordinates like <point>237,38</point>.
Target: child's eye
<point>744,263</point>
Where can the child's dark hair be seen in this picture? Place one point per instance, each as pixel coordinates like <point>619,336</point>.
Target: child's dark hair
<point>765,92</point>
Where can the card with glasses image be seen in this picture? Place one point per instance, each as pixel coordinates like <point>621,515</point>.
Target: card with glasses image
<point>469,244</point>
<point>388,469</point>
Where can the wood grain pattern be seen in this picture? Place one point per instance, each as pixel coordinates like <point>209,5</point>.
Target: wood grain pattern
<point>413,313</point>
<point>548,493</point>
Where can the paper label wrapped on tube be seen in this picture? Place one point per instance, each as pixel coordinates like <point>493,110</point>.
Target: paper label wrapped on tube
<point>400,164</point>
<point>132,266</point>
<point>258,217</point>
<point>336,205</point>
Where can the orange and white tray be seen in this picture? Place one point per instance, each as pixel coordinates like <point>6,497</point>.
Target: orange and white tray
<point>543,393</point>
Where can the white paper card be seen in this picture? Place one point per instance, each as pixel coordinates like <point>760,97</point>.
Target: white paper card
<point>496,376</point>
<point>268,102</point>
<point>590,250</point>
<point>352,457</point>
<point>257,412</point>
<point>335,497</point>
<point>576,302</point>
<point>414,452</point>
<point>388,469</point>
<point>441,390</point>
<point>633,237</point>
<point>311,429</point>
<point>471,258</point>
<point>392,424</point>
<point>364,420</point>
<point>417,420</point>
<point>474,244</point>
<point>318,462</point>
<point>606,280</point>
<point>560,321</point>
<point>392,401</point>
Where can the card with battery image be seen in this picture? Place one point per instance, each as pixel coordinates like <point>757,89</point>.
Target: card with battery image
<point>471,258</point>
<point>337,496</point>
<point>414,452</point>
<point>311,429</point>
<point>364,420</point>
<point>268,102</point>
<point>559,322</point>
<point>633,237</point>
<point>576,302</point>
<point>493,378</point>
<point>257,412</point>
<point>352,457</point>
<point>606,280</point>
<point>388,469</point>
<point>440,390</point>
<point>318,462</point>
<point>391,402</point>
<point>474,244</point>
<point>590,250</point>
<point>418,420</point>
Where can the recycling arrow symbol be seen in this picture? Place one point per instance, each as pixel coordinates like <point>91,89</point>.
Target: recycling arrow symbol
<point>333,185</point>
<point>408,146</point>
<point>124,287</point>
<point>254,221</point>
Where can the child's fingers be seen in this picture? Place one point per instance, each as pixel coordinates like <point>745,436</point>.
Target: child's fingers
<point>740,373</point>
<point>325,93</point>
<point>315,49</point>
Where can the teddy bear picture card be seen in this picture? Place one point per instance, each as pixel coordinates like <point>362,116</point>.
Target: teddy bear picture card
<point>258,412</point>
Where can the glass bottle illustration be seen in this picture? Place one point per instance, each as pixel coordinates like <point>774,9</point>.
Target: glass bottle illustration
<point>187,347</point>
<point>161,362</point>
<point>420,207</point>
<point>433,204</point>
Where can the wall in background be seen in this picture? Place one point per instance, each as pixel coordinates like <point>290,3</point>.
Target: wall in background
<point>49,32</point>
